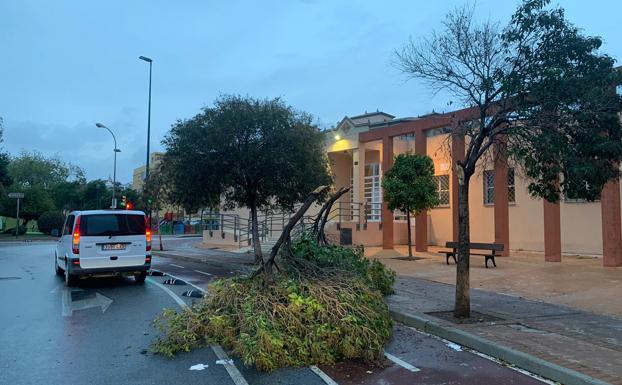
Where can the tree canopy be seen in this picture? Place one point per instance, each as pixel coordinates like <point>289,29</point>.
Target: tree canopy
<point>255,153</point>
<point>409,186</point>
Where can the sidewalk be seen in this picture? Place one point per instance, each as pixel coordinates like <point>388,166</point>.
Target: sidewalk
<point>586,342</point>
<point>568,314</point>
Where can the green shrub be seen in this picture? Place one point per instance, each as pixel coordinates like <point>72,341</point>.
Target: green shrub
<point>348,261</point>
<point>291,322</point>
<point>50,220</point>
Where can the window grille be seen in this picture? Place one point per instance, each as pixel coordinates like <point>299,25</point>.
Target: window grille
<point>442,188</point>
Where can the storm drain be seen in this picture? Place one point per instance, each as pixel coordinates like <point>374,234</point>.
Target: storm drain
<point>155,273</point>
<point>192,294</point>
<point>174,281</point>
<point>9,278</point>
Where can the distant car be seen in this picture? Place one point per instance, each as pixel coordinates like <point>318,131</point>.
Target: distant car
<point>103,243</point>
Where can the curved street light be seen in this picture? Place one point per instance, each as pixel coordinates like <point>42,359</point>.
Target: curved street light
<point>114,178</point>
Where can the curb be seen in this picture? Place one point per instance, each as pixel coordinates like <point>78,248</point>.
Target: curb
<point>228,265</point>
<point>522,360</point>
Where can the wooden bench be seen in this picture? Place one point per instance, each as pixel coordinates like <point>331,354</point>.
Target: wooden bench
<point>492,247</point>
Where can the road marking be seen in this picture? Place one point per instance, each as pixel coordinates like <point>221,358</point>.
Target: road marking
<point>189,283</point>
<point>69,306</point>
<point>401,362</point>
<point>202,272</point>
<point>168,291</point>
<point>490,358</point>
<point>233,371</point>
<point>172,264</point>
<point>322,375</point>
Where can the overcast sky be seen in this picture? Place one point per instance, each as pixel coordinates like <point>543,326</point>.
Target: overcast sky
<point>65,65</point>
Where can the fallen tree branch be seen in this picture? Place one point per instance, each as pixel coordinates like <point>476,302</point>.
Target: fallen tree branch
<point>284,238</point>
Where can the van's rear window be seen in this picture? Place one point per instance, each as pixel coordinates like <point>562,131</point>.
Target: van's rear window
<point>112,224</point>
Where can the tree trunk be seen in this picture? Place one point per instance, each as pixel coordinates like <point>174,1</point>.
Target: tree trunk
<point>462,307</point>
<point>284,238</point>
<point>410,242</point>
<point>255,233</point>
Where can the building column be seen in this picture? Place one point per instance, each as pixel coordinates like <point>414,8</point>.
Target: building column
<point>501,197</point>
<point>421,220</point>
<point>361,185</point>
<point>612,234</point>
<point>552,232</point>
<point>387,215</point>
<point>457,153</point>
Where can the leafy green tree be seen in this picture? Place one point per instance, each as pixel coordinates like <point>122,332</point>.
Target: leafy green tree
<point>34,169</point>
<point>409,186</point>
<point>539,91</point>
<point>255,153</point>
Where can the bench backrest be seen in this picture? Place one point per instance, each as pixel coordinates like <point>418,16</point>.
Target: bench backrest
<point>477,246</point>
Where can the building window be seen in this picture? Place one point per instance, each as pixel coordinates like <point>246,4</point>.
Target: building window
<point>442,188</point>
<point>489,186</point>
<point>373,192</point>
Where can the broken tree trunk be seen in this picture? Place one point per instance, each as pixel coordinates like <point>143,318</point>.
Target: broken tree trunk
<point>319,233</point>
<point>284,238</point>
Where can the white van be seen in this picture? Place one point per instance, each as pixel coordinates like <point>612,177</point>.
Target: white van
<point>103,243</point>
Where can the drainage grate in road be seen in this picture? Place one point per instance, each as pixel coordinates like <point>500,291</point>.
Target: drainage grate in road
<point>192,294</point>
<point>476,317</point>
<point>174,281</point>
<point>155,273</point>
<point>9,278</point>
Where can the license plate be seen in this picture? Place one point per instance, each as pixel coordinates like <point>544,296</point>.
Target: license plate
<point>113,246</point>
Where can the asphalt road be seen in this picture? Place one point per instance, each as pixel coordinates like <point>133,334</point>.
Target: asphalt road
<point>101,332</point>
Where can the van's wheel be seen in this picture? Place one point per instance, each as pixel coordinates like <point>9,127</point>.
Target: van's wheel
<point>140,277</point>
<point>57,268</point>
<point>70,280</point>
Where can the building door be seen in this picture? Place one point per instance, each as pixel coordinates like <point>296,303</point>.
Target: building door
<point>373,192</point>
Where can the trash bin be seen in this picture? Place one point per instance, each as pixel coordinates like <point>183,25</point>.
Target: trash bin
<point>179,228</point>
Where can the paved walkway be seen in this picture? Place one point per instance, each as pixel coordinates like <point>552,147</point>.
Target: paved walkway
<point>578,340</point>
<point>579,282</point>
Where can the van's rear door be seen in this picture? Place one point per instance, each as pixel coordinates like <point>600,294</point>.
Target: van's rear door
<point>112,240</point>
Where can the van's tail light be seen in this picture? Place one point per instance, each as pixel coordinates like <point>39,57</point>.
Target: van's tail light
<point>75,241</point>
<point>147,235</point>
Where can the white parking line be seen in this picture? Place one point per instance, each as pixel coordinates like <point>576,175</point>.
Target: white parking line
<point>202,272</point>
<point>233,371</point>
<point>401,362</point>
<point>168,291</point>
<point>174,265</point>
<point>322,375</point>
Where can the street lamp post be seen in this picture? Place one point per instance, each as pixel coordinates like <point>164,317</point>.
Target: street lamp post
<point>114,177</point>
<point>148,60</point>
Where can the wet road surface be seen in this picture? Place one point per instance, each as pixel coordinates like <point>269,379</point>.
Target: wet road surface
<point>100,333</point>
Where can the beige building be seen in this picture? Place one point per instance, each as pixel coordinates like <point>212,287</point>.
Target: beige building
<point>138,178</point>
<point>501,208</point>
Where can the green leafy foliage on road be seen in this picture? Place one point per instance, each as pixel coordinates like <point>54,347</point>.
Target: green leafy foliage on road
<point>326,306</point>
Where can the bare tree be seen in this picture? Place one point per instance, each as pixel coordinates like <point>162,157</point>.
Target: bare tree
<point>467,60</point>
<point>538,91</point>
